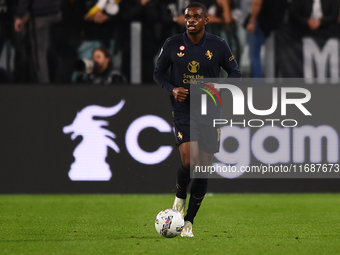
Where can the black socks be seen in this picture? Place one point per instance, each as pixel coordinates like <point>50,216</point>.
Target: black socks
<point>197,193</point>
<point>182,182</point>
<point>198,190</point>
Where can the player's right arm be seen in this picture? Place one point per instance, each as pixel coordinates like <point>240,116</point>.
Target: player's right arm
<point>163,63</point>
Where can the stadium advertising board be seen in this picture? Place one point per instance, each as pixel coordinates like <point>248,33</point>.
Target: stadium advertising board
<point>75,139</point>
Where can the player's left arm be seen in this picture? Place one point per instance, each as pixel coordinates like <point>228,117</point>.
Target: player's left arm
<point>229,63</point>
<point>162,65</point>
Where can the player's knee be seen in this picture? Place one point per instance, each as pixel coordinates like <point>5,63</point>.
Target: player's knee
<point>189,163</point>
<point>186,164</point>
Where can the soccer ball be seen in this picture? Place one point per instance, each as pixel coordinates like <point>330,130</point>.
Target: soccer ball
<point>169,223</point>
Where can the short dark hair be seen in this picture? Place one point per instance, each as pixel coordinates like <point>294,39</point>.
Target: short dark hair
<point>105,51</point>
<point>198,5</point>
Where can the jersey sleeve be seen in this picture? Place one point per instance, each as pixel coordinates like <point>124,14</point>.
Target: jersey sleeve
<point>228,62</point>
<point>162,65</point>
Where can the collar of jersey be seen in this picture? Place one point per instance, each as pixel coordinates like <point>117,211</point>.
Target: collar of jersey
<point>190,43</point>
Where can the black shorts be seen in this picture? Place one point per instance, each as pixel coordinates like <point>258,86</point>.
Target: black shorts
<point>208,137</point>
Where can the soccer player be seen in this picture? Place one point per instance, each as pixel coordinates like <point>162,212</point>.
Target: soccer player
<point>200,53</point>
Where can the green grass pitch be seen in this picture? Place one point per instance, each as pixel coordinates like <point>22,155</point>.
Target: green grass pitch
<point>124,224</point>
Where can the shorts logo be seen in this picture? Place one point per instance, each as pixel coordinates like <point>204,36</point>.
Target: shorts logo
<point>193,66</point>
<point>180,135</point>
<point>209,54</point>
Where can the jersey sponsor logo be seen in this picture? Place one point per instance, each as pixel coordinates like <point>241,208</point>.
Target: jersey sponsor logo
<point>209,54</point>
<point>193,66</point>
<point>191,79</point>
<point>181,54</point>
<point>231,58</point>
<point>181,47</point>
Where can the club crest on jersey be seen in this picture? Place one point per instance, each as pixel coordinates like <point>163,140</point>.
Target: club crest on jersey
<point>181,47</point>
<point>209,54</point>
<point>193,66</point>
<point>181,54</point>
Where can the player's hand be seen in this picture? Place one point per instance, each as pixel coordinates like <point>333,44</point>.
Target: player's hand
<point>180,93</point>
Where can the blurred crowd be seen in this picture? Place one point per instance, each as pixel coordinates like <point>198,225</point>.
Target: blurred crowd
<point>88,41</point>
